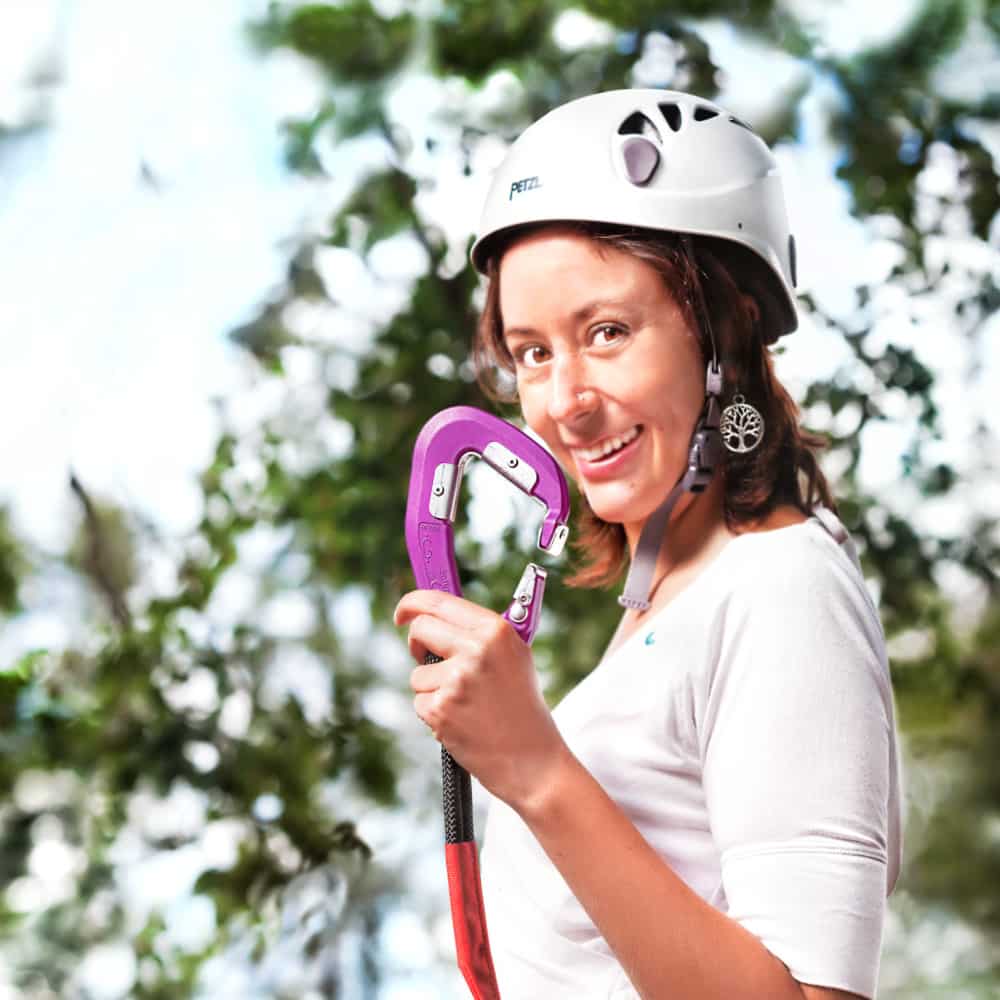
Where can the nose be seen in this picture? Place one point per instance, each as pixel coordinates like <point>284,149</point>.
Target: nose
<point>571,397</point>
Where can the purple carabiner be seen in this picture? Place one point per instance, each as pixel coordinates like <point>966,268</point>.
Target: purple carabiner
<point>444,447</point>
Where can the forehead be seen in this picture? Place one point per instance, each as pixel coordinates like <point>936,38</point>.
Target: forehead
<point>557,271</point>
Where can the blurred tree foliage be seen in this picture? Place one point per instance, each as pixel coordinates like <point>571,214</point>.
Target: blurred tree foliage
<point>171,693</point>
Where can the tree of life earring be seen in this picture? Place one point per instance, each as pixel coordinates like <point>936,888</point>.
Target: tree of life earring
<point>741,426</point>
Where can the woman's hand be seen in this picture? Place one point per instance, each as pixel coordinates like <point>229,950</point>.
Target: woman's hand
<point>483,701</point>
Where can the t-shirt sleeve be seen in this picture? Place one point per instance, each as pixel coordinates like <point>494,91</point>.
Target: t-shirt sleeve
<point>797,741</point>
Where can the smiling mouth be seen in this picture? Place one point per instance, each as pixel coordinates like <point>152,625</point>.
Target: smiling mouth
<point>609,448</point>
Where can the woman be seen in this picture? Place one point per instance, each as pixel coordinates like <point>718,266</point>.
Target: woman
<point>714,811</point>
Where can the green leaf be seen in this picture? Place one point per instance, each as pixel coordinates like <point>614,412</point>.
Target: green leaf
<point>383,205</point>
<point>350,40</point>
<point>514,30</point>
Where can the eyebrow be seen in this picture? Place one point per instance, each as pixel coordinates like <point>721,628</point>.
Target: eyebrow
<point>580,315</point>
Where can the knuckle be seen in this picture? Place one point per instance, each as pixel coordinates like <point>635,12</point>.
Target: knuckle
<point>435,599</point>
<point>499,628</point>
<point>461,678</point>
<point>424,706</point>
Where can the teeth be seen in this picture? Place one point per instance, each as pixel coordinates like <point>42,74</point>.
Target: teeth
<point>612,444</point>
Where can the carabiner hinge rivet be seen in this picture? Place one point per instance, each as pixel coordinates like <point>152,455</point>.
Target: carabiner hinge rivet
<point>519,472</point>
<point>444,496</point>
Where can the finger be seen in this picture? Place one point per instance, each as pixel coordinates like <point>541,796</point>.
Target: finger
<point>455,610</point>
<point>429,677</point>
<point>431,635</point>
<point>425,706</point>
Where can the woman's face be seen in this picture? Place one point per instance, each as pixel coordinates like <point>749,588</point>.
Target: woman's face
<point>609,374</point>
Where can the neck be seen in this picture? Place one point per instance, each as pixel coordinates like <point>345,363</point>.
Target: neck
<point>696,528</point>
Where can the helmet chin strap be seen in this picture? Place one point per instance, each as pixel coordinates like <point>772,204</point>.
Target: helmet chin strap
<point>703,455</point>
<point>704,451</point>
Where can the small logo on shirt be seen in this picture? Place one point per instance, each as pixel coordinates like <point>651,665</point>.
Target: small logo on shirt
<point>650,638</point>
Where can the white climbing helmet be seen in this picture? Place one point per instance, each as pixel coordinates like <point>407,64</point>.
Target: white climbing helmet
<point>656,159</point>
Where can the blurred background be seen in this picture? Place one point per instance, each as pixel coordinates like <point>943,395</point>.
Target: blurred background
<point>234,286</point>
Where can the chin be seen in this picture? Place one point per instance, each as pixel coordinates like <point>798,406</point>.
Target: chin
<point>619,511</point>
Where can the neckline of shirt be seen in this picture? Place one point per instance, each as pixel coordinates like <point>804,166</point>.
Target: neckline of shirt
<point>712,567</point>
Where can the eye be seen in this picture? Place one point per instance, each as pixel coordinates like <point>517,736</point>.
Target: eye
<point>531,355</point>
<point>607,334</point>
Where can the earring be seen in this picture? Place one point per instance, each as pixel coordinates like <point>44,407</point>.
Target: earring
<point>741,426</point>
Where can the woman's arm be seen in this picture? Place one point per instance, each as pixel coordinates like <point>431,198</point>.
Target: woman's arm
<point>671,943</point>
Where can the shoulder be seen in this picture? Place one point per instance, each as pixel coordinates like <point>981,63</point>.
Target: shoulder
<point>796,637</point>
<point>798,585</point>
<point>796,560</point>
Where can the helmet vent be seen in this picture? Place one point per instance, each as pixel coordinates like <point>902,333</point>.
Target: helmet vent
<point>672,113</point>
<point>702,113</point>
<point>736,121</point>
<point>638,124</point>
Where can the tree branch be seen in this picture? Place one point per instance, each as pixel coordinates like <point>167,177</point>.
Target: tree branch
<point>97,559</point>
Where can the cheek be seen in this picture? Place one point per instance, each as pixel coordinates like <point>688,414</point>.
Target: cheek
<point>534,411</point>
<point>535,414</point>
<point>531,410</point>
<point>672,407</point>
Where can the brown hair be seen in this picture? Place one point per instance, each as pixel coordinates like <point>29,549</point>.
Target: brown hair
<point>728,286</point>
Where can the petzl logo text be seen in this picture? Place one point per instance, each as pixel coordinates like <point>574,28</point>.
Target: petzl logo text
<point>524,184</point>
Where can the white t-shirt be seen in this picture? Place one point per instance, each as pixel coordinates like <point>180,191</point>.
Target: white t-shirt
<point>747,730</point>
